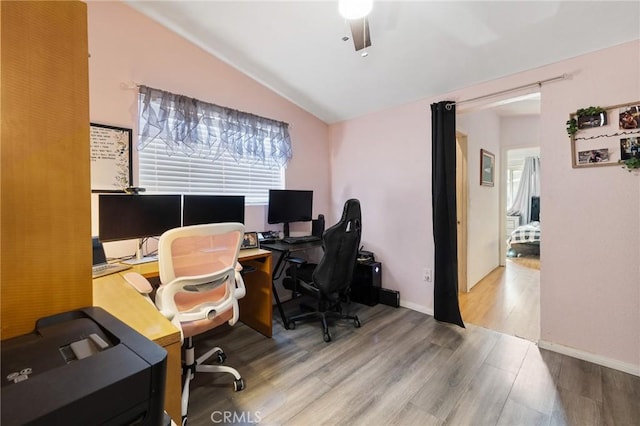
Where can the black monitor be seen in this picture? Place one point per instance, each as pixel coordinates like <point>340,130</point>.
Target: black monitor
<point>125,217</point>
<point>289,205</point>
<point>200,209</point>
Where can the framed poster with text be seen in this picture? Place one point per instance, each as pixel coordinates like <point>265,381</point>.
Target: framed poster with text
<point>110,158</point>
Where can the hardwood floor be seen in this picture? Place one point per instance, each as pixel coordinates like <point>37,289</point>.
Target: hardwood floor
<point>507,300</point>
<point>404,368</point>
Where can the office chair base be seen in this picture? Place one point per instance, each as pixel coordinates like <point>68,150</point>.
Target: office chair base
<point>193,366</point>
<point>323,316</point>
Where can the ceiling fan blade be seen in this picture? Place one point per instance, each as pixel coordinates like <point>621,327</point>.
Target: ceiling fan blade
<point>360,33</point>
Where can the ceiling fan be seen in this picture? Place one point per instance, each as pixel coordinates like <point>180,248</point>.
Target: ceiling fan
<point>360,33</point>
<point>355,12</point>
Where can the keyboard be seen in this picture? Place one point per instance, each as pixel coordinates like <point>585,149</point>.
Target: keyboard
<point>302,239</point>
<point>108,268</point>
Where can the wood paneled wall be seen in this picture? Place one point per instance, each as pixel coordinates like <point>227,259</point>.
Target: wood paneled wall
<point>45,204</point>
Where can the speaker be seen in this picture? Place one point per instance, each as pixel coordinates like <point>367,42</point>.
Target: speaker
<point>367,280</point>
<point>317,226</point>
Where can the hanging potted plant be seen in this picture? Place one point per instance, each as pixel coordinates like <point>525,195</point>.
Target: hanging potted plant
<point>572,127</point>
<point>631,164</point>
<point>586,118</point>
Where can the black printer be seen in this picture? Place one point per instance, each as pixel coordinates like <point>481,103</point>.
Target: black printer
<point>82,367</point>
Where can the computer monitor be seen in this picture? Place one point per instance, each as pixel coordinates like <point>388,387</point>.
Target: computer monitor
<point>125,217</point>
<point>289,205</point>
<point>200,209</point>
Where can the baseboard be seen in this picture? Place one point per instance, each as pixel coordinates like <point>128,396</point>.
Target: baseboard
<point>586,356</point>
<point>416,307</point>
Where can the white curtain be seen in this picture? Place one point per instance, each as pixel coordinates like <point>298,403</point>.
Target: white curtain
<point>529,187</point>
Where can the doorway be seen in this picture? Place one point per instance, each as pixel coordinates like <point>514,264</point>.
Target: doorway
<point>507,297</point>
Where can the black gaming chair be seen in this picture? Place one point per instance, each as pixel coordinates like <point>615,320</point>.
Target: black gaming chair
<point>329,281</point>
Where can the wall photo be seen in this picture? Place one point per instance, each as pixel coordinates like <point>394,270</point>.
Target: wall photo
<point>629,148</point>
<point>630,117</point>
<point>487,168</point>
<point>593,156</point>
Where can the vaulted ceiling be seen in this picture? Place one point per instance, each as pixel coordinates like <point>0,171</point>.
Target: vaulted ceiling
<point>419,48</point>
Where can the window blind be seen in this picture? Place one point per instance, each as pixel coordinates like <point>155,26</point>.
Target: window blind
<point>160,171</point>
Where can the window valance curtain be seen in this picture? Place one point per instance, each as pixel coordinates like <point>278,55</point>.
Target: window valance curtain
<point>207,130</point>
<point>529,187</point>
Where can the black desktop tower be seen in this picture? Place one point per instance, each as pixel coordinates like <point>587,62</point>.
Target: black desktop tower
<point>367,281</point>
<point>317,226</point>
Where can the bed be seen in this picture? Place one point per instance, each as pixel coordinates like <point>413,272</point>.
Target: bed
<point>525,240</point>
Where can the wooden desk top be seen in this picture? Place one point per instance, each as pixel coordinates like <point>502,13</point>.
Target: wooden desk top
<point>116,296</point>
<point>250,254</point>
<point>150,269</point>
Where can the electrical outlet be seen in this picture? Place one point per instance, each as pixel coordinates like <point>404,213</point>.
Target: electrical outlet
<point>427,275</point>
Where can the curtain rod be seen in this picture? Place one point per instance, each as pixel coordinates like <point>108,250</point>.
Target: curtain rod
<point>513,89</point>
<point>132,85</point>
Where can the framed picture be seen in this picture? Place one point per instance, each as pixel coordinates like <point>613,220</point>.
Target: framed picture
<point>629,148</point>
<point>608,145</point>
<point>630,117</point>
<point>598,119</point>
<point>487,168</point>
<point>110,158</point>
<point>593,156</point>
<point>250,240</point>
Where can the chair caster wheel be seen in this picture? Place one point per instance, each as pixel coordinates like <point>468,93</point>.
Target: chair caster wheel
<point>222,357</point>
<point>326,337</point>
<point>356,323</point>
<point>184,421</point>
<point>291,325</point>
<point>238,385</point>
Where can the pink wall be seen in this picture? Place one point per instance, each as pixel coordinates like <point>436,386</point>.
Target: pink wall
<point>590,277</point>
<point>126,47</point>
<point>384,160</point>
<point>590,293</point>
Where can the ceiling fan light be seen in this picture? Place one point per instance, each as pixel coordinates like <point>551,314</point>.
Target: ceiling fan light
<point>354,9</point>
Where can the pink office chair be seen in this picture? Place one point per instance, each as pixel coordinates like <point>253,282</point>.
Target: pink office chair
<point>200,287</point>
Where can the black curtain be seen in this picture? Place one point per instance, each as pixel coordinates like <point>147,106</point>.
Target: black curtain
<point>445,233</point>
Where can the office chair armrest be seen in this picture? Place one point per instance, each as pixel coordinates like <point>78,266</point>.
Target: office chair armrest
<point>138,282</point>
<point>239,291</point>
<point>141,284</point>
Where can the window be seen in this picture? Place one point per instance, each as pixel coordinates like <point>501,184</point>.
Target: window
<point>513,181</point>
<point>189,146</point>
<point>160,172</point>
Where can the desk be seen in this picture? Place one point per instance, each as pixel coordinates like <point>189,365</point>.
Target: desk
<point>116,296</point>
<point>285,250</point>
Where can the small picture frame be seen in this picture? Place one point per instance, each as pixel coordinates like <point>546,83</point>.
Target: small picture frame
<point>250,241</point>
<point>629,148</point>
<point>600,155</point>
<point>598,119</point>
<point>630,117</point>
<point>487,168</point>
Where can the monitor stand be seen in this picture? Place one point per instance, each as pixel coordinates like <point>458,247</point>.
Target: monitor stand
<point>139,257</point>
<point>285,229</point>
